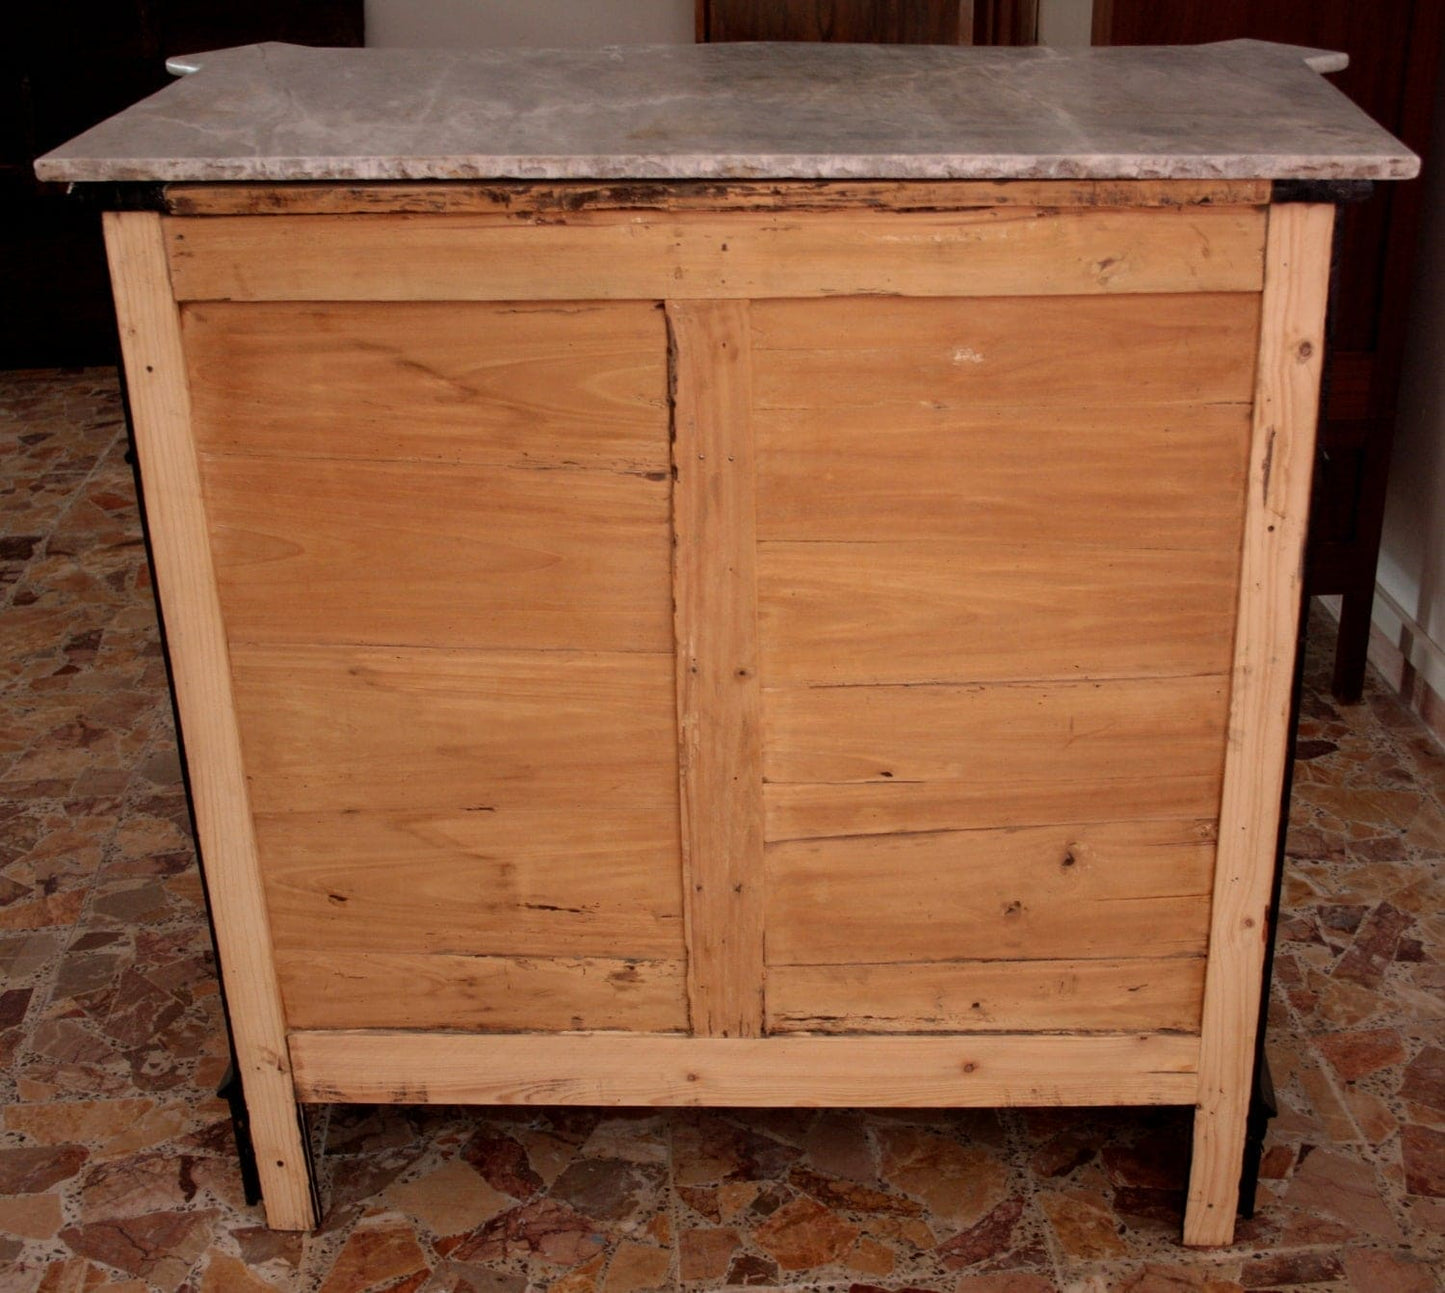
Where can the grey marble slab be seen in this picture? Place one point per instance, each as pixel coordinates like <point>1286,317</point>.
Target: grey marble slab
<point>1237,110</point>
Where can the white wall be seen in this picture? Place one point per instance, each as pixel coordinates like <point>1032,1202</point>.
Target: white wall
<point>1412,554</point>
<point>437,24</point>
<point>443,24</point>
<point>1065,22</point>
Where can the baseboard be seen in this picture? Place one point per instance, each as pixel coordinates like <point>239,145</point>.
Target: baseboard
<point>1408,661</point>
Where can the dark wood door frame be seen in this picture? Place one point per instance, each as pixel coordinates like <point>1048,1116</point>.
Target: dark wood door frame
<point>62,69</point>
<point>946,22</point>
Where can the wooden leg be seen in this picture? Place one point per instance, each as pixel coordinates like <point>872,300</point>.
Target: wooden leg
<point>1354,641</point>
<point>1262,1107</point>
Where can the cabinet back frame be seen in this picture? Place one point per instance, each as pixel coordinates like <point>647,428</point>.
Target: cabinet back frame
<point>216,248</point>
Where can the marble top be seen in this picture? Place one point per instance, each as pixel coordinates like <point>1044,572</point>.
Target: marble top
<point>1236,110</point>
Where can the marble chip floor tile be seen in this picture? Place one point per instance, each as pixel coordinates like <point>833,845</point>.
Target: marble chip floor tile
<point>116,1166</point>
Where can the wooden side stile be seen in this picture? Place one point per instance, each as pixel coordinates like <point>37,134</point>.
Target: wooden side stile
<point>1297,262</point>
<point>160,407</point>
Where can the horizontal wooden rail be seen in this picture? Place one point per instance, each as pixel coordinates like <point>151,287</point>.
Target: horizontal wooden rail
<point>1018,251</point>
<point>663,1069</point>
<point>515,200</point>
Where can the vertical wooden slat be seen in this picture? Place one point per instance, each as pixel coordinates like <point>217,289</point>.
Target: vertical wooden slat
<point>718,694</point>
<point>160,406</point>
<point>1297,262</point>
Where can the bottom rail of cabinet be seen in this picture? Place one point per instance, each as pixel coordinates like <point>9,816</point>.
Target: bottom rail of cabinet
<point>980,1070</point>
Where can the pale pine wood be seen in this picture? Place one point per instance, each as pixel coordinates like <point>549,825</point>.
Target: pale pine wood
<point>430,990</point>
<point>1281,461</point>
<point>430,554</point>
<point>470,832</point>
<point>718,698</point>
<point>941,470</point>
<point>638,1069</point>
<point>1081,793</point>
<point>504,880</point>
<point>367,728</point>
<point>685,256</point>
<point>503,384</point>
<point>1113,889</point>
<point>997,734</point>
<point>523,200</point>
<point>987,996</point>
<point>1110,352</point>
<point>980,610</point>
<point>160,409</point>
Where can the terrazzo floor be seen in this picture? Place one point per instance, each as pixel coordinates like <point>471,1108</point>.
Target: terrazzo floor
<point>116,1167</point>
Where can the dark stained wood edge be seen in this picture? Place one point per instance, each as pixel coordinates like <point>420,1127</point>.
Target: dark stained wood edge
<point>1336,191</point>
<point>1103,22</point>
<point>530,201</point>
<point>947,22</point>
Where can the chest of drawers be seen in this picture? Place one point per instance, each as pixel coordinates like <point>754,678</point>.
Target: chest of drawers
<point>700,641</point>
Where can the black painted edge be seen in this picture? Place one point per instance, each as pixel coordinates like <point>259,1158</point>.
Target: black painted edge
<point>1332,191</point>
<point>129,195</point>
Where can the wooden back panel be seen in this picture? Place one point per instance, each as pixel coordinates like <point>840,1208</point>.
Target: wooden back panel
<point>1037,617</point>
<point>442,544</point>
<point>742,625</point>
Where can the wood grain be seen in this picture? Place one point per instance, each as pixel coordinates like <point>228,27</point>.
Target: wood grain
<point>1108,352</point>
<point>428,554</point>
<point>987,996</point>
<point>877,760</point>
<point>976,472</point>
<point>1281,462</point>
<point>979,610</point>
<point>612,1069</point>
<point>160,409</point>
<point>699,256</point>
<point>1114,889</point>
<point>363,728</point>
<point>718,697</point>
<point>575,384</point>
<point>1000,735</point>
<point>811,811</point>
<point>525,200</point>
<point>429,990</point>
<point>1080,794</point>
<point>1116,476</point>
<point>502,880</point>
